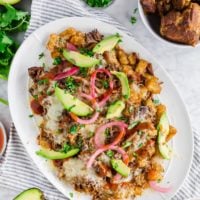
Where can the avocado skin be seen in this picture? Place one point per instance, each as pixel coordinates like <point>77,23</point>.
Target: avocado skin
<point>30,194</point>
<point>120,167</point>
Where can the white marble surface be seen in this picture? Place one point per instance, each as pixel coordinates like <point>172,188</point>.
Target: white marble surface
<point>182,64</point>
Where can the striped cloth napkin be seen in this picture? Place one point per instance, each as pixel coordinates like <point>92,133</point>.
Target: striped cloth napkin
<point>17,170</point>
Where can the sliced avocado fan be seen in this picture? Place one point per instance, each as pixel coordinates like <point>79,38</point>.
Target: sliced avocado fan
<point>11,2</point>
<point>120,167</point>
<point>115,110</point>
<point>163,131</point>
<point>56,155</point>
<point>107,44</point>
<point>80,60</point>
<point>72,103</point>
<point>124,82</point>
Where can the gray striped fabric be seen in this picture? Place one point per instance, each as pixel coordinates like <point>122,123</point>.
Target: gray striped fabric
<point>17,170</point>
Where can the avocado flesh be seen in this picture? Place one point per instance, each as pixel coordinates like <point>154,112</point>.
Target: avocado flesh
<point>54,155</point>
<point>163,131</point>
<point>30,194</point>
<point>124,82</point>
<point>11,2</point>
<point>107,44</point>
<point>72,103</point>
<point>79,59</point>
<point>120,167</point>
<point>115,110</point>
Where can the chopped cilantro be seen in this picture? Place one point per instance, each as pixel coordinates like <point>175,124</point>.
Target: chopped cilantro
<point>135,155</point>
<point>30,116</point>
<point>105,84</point>
<point>40,56</point>
<point>156,101</point>
<point>56,84</point>
<point>83,71</point>
<point>43,81</point>
<point>140,145</point>
<point>71,194</point>
<point>110,153</point>
<point>135,10</point>
<point>66,147</point>
<point>123,118</point>
<point>90,134</point>
<point>126,144</point>
<point>107,132</point>
<point>35,97</point>
<point>3,101</point>
<point>73,129</point>
<point>86,52</point>
<point>133,19</point>
<point>71,84</point>
<point>48,92</point>
<point>133,124</point>
<point>98,3</point>
<point>57,61</point>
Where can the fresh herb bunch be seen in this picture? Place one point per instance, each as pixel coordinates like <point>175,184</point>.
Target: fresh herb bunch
<point>99,3</point>
<point>11,20</point>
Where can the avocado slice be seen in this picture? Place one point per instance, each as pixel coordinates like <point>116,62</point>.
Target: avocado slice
<point>72,103</point>
<point>55,155</point>
<point>107,44</point>
<point>11,2</point>
<point>124,82</point>
<point>120,167</point>
<point>115,110</point>
<point>163,131</point>
<point>30,194</point>
<point>79,59</point>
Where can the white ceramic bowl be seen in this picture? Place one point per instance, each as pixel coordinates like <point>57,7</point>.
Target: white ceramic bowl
<point>152,23</point>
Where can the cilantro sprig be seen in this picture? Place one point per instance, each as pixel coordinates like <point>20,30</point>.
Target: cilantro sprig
<point>11,20</point>
<point>98,3</point>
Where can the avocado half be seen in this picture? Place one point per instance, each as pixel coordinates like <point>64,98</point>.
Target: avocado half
<point>30,194</point>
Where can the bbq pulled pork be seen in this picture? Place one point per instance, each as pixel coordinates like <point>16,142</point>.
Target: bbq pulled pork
<point>183,27</point>
<point>149,6</point>
<point>180,19</point>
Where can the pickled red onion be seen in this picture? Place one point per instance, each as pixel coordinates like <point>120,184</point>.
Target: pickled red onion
<point>85,121</point>
<point>158,188</point>
<point>99,136</point>
<point>71,47</point>
<point>69,72</point>
<point>105,148</point>
<point>92,83</point>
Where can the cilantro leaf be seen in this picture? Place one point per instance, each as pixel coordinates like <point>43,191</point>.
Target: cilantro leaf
<point>98,3</point>
<point>3,101</point>
<point>11,20</point>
